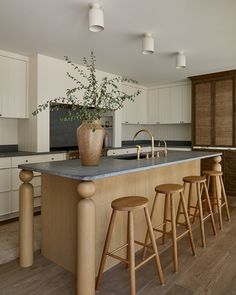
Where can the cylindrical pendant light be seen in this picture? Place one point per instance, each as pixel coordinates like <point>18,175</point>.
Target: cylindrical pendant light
<point>148,44</point>
<point>180,60</point>
<point>96,18</point>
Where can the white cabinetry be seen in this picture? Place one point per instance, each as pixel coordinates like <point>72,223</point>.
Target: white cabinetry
<point>5,186</point>
<point>13,86</point>
<point>10,182</point>
<point>153,107</point>
<point>135,112</point>
<point>169,105</point>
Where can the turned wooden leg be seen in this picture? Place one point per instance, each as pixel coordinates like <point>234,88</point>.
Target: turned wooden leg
<point>26,219</point>
<point>85,275</point>
<point>217,187</point>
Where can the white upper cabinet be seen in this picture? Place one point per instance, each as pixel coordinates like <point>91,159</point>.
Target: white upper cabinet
<point>134,112</point>
<point>153,107</point>
<point>13,87</point>
<point>169,105</point>
<point>164,105</point>
<point>176,112</point>
<point>186,103</point>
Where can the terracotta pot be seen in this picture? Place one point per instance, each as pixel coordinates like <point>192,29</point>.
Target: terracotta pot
<point>90,138</point>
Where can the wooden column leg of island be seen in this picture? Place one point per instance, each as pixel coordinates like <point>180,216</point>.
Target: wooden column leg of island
<point>85,275</point>
<point>26,221</point>
<point>217,167</point>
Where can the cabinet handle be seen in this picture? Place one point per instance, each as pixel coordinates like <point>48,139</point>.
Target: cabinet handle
<point>52,159</point>
<point>0,115</point>
<point>26,161</point>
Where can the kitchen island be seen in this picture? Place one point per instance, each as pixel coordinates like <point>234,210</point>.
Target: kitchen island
<point>72,234</point>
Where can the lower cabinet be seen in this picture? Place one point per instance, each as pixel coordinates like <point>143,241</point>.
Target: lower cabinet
<point>10,182</point>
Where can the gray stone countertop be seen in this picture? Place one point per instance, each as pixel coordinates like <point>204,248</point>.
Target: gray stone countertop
<point>110,166</point>
<point>23,154</point>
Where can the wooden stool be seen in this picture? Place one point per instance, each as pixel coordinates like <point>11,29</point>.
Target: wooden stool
<point>169,190</point>
<point>219,200</point>
<point>130,204</point>
<point>200,183</point>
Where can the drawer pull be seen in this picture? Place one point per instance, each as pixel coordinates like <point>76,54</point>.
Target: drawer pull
<point>52,159</point>
<point>26,161</point>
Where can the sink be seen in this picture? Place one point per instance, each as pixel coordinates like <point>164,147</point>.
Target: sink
<point>131,157</point>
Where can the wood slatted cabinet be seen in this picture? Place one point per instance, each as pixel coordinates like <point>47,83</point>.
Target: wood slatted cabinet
<point>213,109</point>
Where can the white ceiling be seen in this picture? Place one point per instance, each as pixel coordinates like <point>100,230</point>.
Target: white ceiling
<point>204,29</point>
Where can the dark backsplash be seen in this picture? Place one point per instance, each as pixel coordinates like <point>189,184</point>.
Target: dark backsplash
<point>8,148</point>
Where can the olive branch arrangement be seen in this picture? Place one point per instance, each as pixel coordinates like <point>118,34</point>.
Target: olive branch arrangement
<point>90,99</point>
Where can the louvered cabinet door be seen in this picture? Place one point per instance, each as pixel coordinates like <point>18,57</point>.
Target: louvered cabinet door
<point>223,113</point>
<point>203,113</point>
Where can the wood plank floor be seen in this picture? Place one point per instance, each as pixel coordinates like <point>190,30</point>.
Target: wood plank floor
<point>212,271</point>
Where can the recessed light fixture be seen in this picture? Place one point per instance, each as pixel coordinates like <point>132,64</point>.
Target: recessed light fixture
<point>180,60</point>
<point>148,44</point>
<point>96,18</point>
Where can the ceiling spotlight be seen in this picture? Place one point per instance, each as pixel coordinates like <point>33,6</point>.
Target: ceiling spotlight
<point>96,18</point>
<point>180,60</point>
<point>148,44</point>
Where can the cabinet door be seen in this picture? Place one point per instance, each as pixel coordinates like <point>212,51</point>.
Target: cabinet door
<point>153,107</point>
<point>141,107</point>
<point>223,118</point>
<point>203,113</point>
<point>186,103</point>
<point>13,88</point>
<point>129,109</point>
<point>176,112</point>
<point>164,105</point>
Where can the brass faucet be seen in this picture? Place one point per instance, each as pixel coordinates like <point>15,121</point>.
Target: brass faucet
<point>165,148</point>
<point>138,151</point>
<point>151,136</point>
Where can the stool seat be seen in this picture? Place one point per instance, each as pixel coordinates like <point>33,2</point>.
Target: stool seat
<point>169,188</point>
<point>212,173</point>
<point>194,179</point>
<point>129,203</point>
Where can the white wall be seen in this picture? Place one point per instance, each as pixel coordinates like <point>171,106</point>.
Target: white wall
<point>8,131</point>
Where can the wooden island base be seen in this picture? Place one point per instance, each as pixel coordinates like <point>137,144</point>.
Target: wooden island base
<point>59,211</point>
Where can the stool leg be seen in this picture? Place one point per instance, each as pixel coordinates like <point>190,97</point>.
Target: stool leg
<point>174,236</point>
<point>165,217</point>
<point>210,208</point>
<point>131,253</point>
<point>218,203</point>
<point>147,235</point>
<point>201,216</point>
<point>127,252</point>
<point>154,246</point>
<point>188,223</point>
<point>179,206</point>
<point>189,198</point>
<point>106,247</point>
<point>225,198</point>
